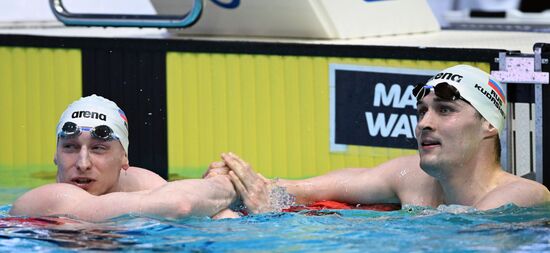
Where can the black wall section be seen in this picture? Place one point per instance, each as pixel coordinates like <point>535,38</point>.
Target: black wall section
<point>136,80</point>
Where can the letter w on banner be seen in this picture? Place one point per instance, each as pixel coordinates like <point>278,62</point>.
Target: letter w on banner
<point>373,106</point>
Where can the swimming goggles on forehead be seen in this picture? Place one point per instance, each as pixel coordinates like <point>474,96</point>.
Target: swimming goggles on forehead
<point>101,132</point>
<point>442,90</point>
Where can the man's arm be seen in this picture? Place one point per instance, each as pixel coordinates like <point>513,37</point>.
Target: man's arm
<point>193,197</point>
<point>376,185</point>
<point>353,185</point>
<point>139,179</point>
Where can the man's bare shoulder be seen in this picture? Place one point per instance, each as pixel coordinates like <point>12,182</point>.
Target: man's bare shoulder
<point>412,161</point>
<point>410,183</point>
<point>531,192</point>
<point>405,170</point>
<point>139,179</point>
<point>46,199</point>
<point>141,172</point>
<point>516,190</point>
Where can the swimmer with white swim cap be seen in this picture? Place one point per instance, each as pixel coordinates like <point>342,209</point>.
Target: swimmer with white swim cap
<point>95,181</point>
<point>461,111</point>
<point>98,125</point>
<point>89,112</point>
<point>473,86</point>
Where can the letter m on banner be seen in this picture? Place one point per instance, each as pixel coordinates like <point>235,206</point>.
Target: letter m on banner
<point>373,106</point>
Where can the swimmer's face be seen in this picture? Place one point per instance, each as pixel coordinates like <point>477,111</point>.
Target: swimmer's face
<point>90,163</point>
<point>448,133</point>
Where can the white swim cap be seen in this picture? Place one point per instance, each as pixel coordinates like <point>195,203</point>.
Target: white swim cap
<point>93,111</point>
<point>480,89</point>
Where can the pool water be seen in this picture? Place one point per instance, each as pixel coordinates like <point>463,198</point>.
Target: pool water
<point>10,194</point>
<point>411,229</point>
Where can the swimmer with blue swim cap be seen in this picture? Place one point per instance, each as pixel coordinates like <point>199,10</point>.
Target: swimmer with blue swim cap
<point>95,181</point>
<point>461,112</point>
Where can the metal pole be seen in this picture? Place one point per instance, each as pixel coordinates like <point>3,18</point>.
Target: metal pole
<point>538,116</point>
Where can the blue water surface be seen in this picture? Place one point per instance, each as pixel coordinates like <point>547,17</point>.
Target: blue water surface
<point>412,229</point>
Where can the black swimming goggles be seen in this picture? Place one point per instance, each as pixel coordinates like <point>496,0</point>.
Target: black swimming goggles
<point>442,90</point>
<point>101,132</point>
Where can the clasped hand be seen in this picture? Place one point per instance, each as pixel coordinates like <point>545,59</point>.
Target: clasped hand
<point>253,188</point>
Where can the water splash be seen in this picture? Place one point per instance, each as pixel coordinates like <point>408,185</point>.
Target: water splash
<point>450,209</point>
<point>279,198</point>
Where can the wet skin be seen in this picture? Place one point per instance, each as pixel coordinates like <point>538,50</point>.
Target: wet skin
<point>449,134</point>
<point>89,163</point>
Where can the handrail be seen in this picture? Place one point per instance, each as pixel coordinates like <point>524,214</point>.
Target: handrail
<point>125,20</point>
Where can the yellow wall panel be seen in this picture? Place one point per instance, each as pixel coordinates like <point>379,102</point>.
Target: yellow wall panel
<point>205,106</point>
<point>292,151</point>
<point>6,105</point>
<point>248,107</point>
<point>263,113</point>
<point>36,85</point>
<point>234,105</point>
<point>19,61</point>
<point>278,119</point>
<point>219,101</point>
<point>271,110</point>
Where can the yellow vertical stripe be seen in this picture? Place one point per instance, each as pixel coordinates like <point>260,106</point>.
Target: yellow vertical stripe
<point>20,77</point>
<point>219,110</point>
<point>6,105</point>
<point>205,106</point>
<point>293,152</point>
<point>47,105</point>
<point>263,112</point>
<point>278,117</point>
<point>175,139</point>
<point>189,103</point>
<point>306,108</point>
<point>32,120</point>
<point>321,109</point>
<point>248,107</point>
<point>234,103</point>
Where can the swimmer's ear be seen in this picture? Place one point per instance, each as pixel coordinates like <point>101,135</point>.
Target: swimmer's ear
<point>55,159</point>
<point>488,129</point>
<point>125,162</point>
